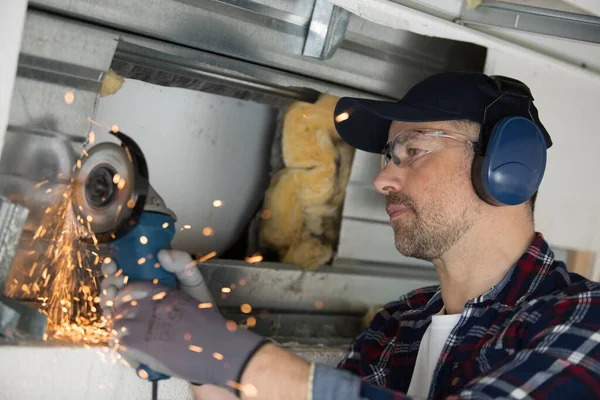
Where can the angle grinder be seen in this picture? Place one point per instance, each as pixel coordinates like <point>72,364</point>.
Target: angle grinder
<point>112,196</point>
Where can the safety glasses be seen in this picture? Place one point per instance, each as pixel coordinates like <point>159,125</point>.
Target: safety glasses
<point>410,146</point>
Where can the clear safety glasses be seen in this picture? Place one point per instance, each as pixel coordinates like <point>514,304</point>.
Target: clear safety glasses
<point>409,146</point>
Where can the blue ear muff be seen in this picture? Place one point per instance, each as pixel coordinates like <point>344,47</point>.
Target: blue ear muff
<point>512,168</point>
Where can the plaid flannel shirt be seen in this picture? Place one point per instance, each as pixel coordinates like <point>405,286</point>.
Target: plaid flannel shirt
<point>535,334</point>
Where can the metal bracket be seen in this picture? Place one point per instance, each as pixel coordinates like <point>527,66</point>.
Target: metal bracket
<point>533,19</point>
<point>326,30</point>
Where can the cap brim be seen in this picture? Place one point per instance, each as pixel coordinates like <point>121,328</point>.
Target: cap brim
<point>364,124</point>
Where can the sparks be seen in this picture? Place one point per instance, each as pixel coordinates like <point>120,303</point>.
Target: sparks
<point>143,240</point>
<point>217,203</point>
<point>141,261</point>
<point>231,326</point>
<point>69,97</point>
<point>218,356</point>
<point>226,290</point>
<point>208,256</point>
<point>342,117</point>
<point>165,225</point>
<point>251,322</point>
<point>208,231</point>
<point>92,137</point>
<point>205,305</point>
<point>187,227</point>
<point>116,178</point>
<point>196,349</point>
<point>155,281</point>
<point>114,129</point>
<point>256,258</point>
<point>246,308</point>
<point>159,296</point>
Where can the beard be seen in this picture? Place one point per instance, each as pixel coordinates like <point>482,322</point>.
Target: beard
<point>429,230</point>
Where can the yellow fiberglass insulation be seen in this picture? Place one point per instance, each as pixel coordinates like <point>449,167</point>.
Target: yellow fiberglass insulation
<point>304,199</point>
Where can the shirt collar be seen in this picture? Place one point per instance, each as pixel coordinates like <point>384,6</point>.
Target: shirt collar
<point>525,275</point>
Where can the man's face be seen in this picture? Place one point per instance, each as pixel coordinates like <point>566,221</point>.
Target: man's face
<point>431,202</point>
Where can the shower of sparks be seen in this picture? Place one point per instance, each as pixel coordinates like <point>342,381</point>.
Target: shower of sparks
<point>64,279</point>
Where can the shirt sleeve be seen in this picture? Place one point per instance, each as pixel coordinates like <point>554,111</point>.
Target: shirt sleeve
<point>560,359</point>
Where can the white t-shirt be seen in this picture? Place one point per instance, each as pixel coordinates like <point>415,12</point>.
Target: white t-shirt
<point>430,350</point>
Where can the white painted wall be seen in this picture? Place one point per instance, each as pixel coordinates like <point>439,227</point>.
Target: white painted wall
<point>12,21</point>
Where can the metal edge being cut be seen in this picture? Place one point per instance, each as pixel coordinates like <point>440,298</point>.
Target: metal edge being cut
<point>12,221</point>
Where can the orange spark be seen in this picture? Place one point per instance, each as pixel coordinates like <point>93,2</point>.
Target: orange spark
<point>254,258</point>
<point>208,256</point>
<point>246,308</point>
<point>159,296</point>
<point>342,117</point>
<point>205,305</point>
<point>226,290</point>
<point>141,261</point>
<point>231,326</point>
<point>208,231</point>
<point>251,322</point>
<point>217,203</point>
<point>155,281</point>
<point>114,129</point>
<point>143,240</point>
<point>196,349</point>
<point>143,374</point>
<point>165,225</point>
<point>218,356</point>
<point>319,304</point>
<point>69,97</point>
<point>134,303</point>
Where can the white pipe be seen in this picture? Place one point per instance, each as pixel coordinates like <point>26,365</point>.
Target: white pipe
<point>12,21</point>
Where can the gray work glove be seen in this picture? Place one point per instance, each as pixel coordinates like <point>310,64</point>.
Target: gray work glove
<point>168,331</point>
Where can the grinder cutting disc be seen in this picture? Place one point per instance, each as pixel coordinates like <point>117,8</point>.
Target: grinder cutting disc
<point>110,188</point>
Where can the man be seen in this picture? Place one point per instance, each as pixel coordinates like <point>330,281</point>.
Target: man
<point>464,154</point>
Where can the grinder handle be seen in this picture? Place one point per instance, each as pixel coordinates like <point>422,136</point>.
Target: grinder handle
<point>136,253</point>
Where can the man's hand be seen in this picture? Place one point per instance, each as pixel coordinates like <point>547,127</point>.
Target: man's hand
<point>190,281</point>
<point>174,334</point>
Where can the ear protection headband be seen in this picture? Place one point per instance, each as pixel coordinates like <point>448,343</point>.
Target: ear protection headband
<point>510,157</point>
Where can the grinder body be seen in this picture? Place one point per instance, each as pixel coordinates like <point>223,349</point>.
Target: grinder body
<point>112,196</point>
<point>137,260</point>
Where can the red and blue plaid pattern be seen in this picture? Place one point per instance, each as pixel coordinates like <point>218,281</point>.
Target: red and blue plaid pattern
<point>533,335</point>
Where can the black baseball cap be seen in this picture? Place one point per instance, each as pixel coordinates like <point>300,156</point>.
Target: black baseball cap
<point>446,96</point>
